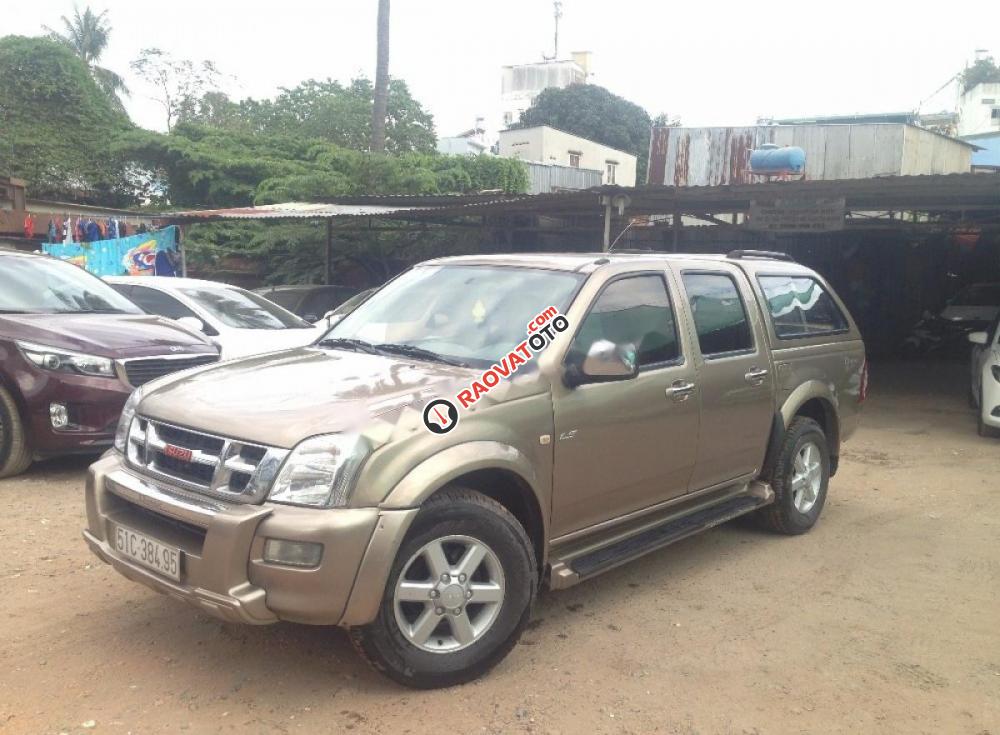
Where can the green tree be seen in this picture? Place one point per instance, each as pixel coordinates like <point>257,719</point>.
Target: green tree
<point>594,113</point>
<point>178,83</point>
<point>983,71</point>
<point>204,166</point>
<point>324,110</point>
<point>86,35</point>
<point>57,126</point>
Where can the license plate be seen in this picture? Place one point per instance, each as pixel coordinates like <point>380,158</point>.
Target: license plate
<point>147,551</point>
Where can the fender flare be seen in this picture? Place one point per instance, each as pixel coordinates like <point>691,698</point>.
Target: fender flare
<point>807,391</point>
<point>439,469</point>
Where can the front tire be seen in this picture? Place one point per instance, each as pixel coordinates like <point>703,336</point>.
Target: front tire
<point>15,454</point>
<point>800,479</point>
<point>458,596</point>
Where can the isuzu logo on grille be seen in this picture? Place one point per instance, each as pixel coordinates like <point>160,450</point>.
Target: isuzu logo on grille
<point>185,455</point>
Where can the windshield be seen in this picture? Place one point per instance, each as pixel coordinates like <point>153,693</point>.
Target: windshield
<point>985,294</point>
<point>241,309</point>
<point>471,313</point>
<point>287,299</point>
<point>40,285</point>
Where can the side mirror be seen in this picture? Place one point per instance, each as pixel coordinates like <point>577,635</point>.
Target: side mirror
<point>192,323</point>
<point>605,361</point>
<point>979,338</point>
<point>331,318</point>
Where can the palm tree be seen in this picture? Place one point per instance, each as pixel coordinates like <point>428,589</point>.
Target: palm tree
<point>86,35</point>
<point>381,79</point>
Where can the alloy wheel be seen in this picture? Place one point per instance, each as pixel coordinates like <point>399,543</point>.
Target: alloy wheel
<point>449,594</point>
<point>807,477</point>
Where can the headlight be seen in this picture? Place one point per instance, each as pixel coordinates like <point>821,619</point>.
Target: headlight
<point>320,471</point>
<point>63,361</point>
<point>125,421</point>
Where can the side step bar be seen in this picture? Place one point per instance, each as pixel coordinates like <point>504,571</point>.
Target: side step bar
<point>675,529</point>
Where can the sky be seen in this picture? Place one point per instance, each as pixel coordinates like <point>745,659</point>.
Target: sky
<point>707,63</point>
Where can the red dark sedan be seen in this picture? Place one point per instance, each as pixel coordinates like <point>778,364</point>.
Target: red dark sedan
<point>72,349</point>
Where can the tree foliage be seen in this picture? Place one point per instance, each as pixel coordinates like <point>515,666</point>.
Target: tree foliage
<point>983,71</point>
<point>594,113</point>
<point>178,83</point>
<point>87,34</point>
<point>212,167</point>
<point>57,126</point>
<point>325,110</point>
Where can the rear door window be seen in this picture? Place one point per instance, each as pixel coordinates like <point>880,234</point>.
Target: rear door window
<point>801,307</point>
<point>720,317</point>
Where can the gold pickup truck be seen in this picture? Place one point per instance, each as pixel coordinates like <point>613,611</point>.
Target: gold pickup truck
<point>407,477</point>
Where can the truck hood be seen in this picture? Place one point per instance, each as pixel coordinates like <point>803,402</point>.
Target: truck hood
<point>278,399</point>
<point>116,336</point>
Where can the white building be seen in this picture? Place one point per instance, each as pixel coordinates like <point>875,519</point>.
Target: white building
<point>520,84</point>
<point>979,109</point>
<point>543,144</point>
<point>469,143</point>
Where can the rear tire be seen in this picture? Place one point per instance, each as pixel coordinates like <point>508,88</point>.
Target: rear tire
<point>800,478</point>
<point>15,454</point>
<point>430,633</point>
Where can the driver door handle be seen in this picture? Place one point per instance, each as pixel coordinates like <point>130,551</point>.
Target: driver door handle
<point>755,375</point>
<point>680,390</point>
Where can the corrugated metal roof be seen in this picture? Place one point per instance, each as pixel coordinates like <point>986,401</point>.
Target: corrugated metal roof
<point>926,192</point>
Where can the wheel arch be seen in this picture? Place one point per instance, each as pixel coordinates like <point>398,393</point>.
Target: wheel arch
<point>497,470</point>
<point>815,400</point>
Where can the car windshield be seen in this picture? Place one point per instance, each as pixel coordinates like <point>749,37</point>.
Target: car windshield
<point>468,313</point>
<point>286,299</point>
<point>42,285</point>
<point>984,294</point>
<point>241,309</point>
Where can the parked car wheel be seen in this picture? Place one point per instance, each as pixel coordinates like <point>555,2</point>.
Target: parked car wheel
<point>459,594</point>
<point>15,454</point>
<point>800,478</point>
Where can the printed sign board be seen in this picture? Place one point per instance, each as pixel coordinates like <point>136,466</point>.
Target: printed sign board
<point>796,214</point>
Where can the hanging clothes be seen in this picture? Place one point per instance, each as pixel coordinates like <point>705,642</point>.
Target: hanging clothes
<point>51,232</point>
<point>29,226</point>
<point>93,231</point>
<point>67,231</point>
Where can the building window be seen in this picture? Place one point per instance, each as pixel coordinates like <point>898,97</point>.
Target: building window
<point>609,173</point>
<point>574,160</point>
<point>989,101</point>
<point>995,114</point>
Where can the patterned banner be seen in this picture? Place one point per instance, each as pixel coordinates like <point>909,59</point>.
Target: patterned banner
<point>147,254</point>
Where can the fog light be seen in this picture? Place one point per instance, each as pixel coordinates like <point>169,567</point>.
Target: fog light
<point>292,553</point>
<point>58,415</point>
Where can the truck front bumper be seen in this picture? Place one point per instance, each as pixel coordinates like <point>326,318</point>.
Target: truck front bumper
<point>223,570</point>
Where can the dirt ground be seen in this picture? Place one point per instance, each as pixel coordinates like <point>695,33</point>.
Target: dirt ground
<point>885,618</point>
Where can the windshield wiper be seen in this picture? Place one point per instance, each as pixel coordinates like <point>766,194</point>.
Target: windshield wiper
<point>418,352</point>
<point>358,345</point>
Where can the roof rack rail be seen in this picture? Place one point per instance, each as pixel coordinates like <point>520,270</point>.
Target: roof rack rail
<point>767,254</point>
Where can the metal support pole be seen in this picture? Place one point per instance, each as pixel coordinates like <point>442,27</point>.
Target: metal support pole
<point>607,225</point>
<point>182,250</point>
<point>677,229</point>
<point>329,251</point>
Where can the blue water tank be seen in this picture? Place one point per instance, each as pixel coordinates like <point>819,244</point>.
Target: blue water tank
<point>772,159</point>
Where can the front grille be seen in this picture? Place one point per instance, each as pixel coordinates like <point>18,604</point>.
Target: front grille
<point>209,464</point>
<point>144,369</point>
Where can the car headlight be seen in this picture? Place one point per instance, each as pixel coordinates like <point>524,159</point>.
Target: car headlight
<point>320,471</point>
<point>125,421</point>
<point>64,361</point>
